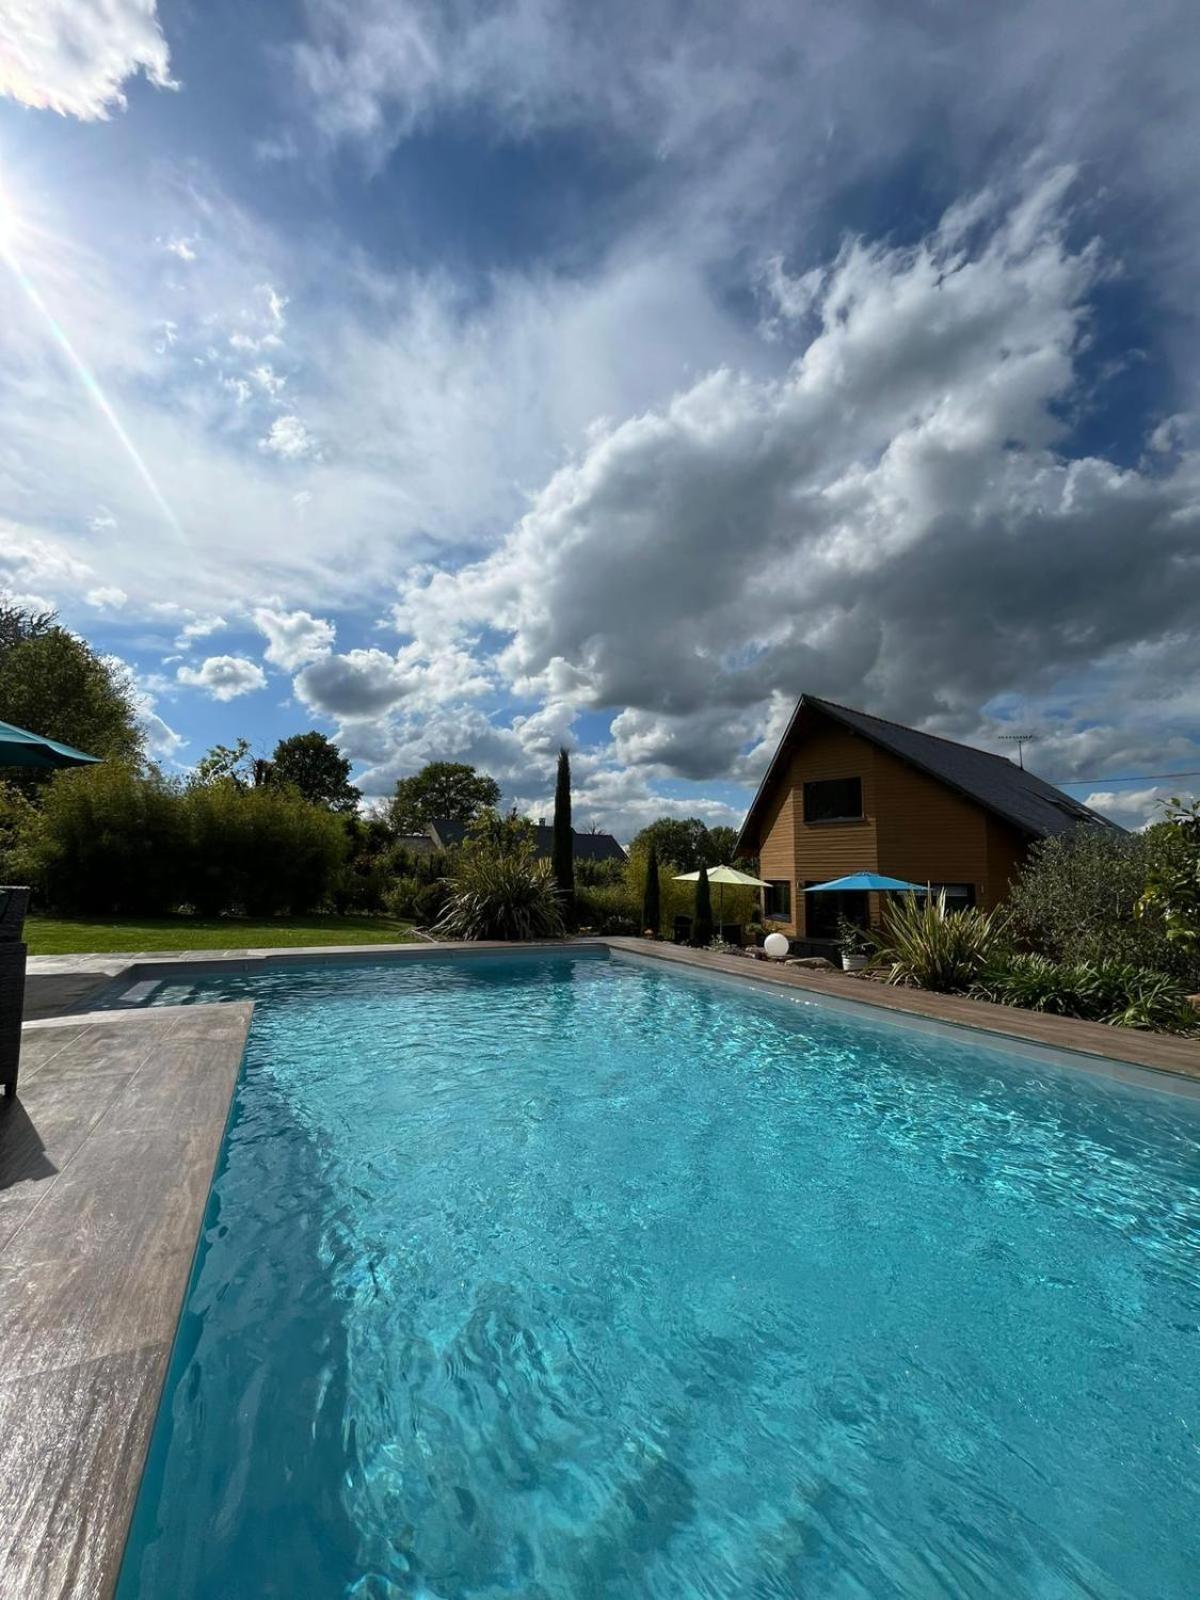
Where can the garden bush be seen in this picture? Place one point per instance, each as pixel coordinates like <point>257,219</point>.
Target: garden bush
<point>922,943</point>
<point>609,909</point>
<point>500,890</point>
<point>260,852</point>
<point>1116,992</point>
<point>1077,897</point>
<point>110,842</point>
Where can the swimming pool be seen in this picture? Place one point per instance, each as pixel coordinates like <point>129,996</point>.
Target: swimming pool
<point>570,1276</point>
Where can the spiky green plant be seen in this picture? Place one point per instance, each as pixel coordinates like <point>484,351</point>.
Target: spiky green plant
<point>1116,992</point>
<point>922,943</point>
<point>501,894</point>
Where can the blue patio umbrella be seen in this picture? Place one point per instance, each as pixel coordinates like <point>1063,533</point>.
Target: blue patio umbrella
<point>20,748</point>
<point>872,882</point>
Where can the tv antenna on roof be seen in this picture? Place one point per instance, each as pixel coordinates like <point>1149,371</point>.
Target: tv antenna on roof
<point>1020,740</point>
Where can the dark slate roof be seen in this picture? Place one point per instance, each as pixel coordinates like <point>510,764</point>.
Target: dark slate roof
<point>1020,797</point>
<point>588,846</point>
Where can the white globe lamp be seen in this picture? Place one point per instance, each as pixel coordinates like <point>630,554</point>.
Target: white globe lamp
<point>776,945</point>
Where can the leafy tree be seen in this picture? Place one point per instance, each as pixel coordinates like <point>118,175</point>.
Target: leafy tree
<point>226,763</point>
<point>18,623</point>
<point>443,789</point>
<point>651,898</point>
<point>55,684</point>
<point>702,925</point>
<point>1172,891</point>
<point>680,844</point>
<point>720,846</point>
<point>314,766</point>
<point>562,852</point>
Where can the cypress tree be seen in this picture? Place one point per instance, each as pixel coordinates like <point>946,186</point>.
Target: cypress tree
<point>651,906</point>
<point>563,846</point>
<point>702,926</point>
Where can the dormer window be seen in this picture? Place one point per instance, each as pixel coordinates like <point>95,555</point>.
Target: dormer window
<point>833,800</point>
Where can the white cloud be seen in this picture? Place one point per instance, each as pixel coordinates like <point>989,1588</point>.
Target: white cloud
<point>224,677</point>
<point>74,56</point>
<point>290,439</point>
<point>294,637</point>
<point>107,599</point>
<point>182,248</point>
<point>364,683</point>
<point>1132,808</point>
<point>199,628</point>
<point>889,523</point>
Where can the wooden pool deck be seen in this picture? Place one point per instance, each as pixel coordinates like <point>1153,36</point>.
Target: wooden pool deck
<point>106,1160</point>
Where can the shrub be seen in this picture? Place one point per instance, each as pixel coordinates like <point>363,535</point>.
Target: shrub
<point>702,924</point>
<point>922,943</point>
<point>1172,892</point>
<point>501,892</point>
<point>110,842</point>
<point>651,895</point>
<point>430,901</point>
<point>260,852</point>
<point>1076,899</point>
<point>1115,992</point>
<point>400,899</point>
<point>607,910</point>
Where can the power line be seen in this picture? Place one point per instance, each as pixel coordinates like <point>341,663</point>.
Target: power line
<point>1145,777</point>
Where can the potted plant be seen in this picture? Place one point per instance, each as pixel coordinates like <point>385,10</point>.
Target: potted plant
<point>855,945</point>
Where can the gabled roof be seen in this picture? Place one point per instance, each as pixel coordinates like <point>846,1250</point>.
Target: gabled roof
<point>1020,798</point>
<point>588,846</point>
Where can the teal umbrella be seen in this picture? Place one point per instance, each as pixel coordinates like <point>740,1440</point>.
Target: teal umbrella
<point>20,748</point>
<point>873,882</point>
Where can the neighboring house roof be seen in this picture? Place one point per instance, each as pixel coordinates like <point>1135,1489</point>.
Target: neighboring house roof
<point>1027,802</point>
<point>588,846</point>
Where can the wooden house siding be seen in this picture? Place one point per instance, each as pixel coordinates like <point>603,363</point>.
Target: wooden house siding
<point>927,832</point>
<point>913,826</point>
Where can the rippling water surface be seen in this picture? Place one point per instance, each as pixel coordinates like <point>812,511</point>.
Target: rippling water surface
<point>567,1278</point>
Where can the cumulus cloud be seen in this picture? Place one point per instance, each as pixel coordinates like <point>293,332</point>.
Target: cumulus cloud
<point>294,638</point>
<point>364,683</point>
<point>74,56</point>
<point>890,523</point>
<point>290,439</point>
<point>199,628</point>
<point>224,677</point>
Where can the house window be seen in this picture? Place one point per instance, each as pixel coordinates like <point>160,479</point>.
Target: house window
<point>959,896</point>
<point>823,911</point>
<point>778,897</point>
<point>833,800</point>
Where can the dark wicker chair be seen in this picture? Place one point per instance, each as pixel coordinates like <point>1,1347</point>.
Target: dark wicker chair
<point>12,984</point>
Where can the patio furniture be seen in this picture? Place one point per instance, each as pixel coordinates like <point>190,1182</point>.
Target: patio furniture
<point>12,984</point>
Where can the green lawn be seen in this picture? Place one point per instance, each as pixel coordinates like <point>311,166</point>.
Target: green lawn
<point>57,936</point>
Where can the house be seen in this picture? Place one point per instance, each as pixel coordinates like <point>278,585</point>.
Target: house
<point>588,846</point>
<point>847,792</point>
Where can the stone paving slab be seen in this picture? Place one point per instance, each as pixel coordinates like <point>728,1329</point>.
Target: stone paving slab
<point>106,1159</point>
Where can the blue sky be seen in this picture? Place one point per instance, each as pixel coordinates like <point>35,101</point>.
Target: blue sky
<point>465,379</point>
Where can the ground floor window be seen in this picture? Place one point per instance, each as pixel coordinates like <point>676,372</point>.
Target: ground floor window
<point>778,897</point>
<point>822,912</point>
<point>959,896</point>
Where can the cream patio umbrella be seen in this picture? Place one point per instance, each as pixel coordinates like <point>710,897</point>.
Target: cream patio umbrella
<point>721,876</point>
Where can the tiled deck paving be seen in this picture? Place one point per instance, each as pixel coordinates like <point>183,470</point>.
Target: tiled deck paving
<point>105,1165</point>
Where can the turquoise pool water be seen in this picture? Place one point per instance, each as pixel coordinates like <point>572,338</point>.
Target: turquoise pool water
<point>551,1278</point>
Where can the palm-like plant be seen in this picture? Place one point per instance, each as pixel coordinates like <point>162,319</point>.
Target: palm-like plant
<point>924,944</point>
<point>501,894</point>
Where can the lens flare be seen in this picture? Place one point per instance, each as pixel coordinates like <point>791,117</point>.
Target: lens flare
<point>12,232</point>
